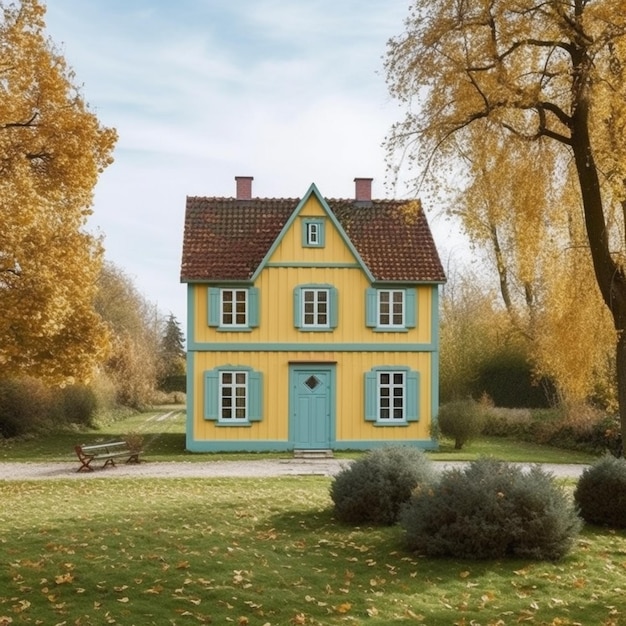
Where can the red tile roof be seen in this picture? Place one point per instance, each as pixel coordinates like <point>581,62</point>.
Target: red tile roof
<point>227,239</point>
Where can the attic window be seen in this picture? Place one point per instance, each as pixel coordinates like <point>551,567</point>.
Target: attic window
<point>313,233</point>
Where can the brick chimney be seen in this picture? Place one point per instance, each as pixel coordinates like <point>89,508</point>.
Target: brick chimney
<point>363,189</point>
<point>244,187</point>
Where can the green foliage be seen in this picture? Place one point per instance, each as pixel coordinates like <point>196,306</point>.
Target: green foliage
<point>578,428</point>
<point>79,404</point>
<point>28,406</point>
<point>25,405</point>
<point>491,510</point>
<point>374,487</point>
<point>174,383</point>
<point>509,381</point>
<point>601,492</point>
<point>461,420</point>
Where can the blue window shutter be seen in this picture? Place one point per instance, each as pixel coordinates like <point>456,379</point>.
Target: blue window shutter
<point>214,306</point>
<point>371,313</point>
<point>253,307</point>
<point>255,396</point>
<point>211,395</point>
<point>410,304</point>
<point>412,396</point>
<point>371,396</point>
<point>321,234</point>
<point>297,307</point>
<point>334,307</point>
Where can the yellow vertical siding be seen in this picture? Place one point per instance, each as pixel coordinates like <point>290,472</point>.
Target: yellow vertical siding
<point>276,286</point>
<point>350,424</point>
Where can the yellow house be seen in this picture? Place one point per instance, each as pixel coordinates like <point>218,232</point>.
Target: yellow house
<point>312,322</point>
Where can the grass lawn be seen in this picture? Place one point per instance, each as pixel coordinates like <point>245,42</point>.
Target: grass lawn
<point>265,552</point>
<point>163,431</point>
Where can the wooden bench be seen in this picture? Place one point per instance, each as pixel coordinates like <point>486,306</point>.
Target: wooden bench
<point>106,452</point>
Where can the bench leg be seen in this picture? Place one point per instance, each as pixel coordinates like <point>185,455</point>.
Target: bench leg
<point>85,465</point>
<point>110,462</point>
<point>133,458</point>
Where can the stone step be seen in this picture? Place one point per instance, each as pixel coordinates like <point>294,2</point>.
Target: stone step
<point>313,454</point>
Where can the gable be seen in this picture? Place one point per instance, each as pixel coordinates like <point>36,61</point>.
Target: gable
<point>227,239</point>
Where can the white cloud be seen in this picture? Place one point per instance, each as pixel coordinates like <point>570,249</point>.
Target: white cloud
<point>201,91</point>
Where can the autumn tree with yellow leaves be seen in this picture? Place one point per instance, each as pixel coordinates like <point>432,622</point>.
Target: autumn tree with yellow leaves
<point>52,150</point>
<point>543,83</point>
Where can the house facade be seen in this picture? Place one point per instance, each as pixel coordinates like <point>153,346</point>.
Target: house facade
<point>312,322</point>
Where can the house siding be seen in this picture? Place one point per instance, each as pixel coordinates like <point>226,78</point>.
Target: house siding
<point>280,355</point>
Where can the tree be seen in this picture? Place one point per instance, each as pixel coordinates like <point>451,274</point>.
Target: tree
<point>536,73</point>
<point>52,150</point>
<point>172,353</point>
<point>534,237</point>
<point>135,330</point>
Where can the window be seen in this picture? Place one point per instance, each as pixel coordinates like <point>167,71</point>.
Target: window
<point>233,308</point>
<point>391,395</point>
<point>390,309</point>
<point>313,233</point>
<point>233,395</point>
<point>315,307</point>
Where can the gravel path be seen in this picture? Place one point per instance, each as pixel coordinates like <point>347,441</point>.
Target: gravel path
<point>215,469</point>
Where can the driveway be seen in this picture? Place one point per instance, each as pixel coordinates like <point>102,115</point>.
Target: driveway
<point>218,469</point>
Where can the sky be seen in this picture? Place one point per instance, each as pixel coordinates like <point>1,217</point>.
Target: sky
<point>290,92</point>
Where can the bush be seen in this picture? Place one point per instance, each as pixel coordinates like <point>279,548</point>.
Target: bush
<point>461,420</point>
<point>26,405</point>
<point>373,488</point>
<point>601,492</point>
<point>509,381</point>
<point>491,510</point>
<point>79,405</point>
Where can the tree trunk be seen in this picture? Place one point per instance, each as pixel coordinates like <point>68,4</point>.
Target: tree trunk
<point>621,386</point>
<point>609,275</point>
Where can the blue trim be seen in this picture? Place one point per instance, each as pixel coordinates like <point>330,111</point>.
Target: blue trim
<point>285,446</point>
<point>371,386</point>
<point>311,347</point>
<point>434,365</point>
<point>312,191</point>
<point>324,265</point>
<point>212,390</point>
<point>332,371</point>
<point>320,223</point>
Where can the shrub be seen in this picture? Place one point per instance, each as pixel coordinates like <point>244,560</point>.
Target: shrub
<point>601,492</point>
<point>491,510</point>
<point>461,420</point>
<point>26,405</point>
<point>374,487</point>
<point>79,405</point>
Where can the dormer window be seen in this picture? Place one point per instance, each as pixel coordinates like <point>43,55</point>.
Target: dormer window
<point>313,233</point>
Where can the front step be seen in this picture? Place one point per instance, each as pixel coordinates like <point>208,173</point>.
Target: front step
<point>312,454</point>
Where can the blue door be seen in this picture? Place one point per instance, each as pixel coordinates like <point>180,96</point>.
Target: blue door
<point>311,394</point>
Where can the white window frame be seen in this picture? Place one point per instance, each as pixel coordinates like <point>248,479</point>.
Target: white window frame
<point>316,313</point>
<point>386,403</point>
<point>233,406</point>
<point>390,313</point>
<point>233,313</point>
<point>313,233</point>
